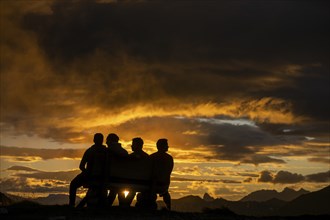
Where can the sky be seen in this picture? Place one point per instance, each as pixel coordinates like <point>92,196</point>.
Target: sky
<point>239,88</point>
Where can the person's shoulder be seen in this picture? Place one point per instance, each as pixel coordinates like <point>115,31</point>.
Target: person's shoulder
<point>88,152</point>
<point>98,147</point>
<point>156,156</point>
<point>103,147</point>
<point>132,154</point>
<point>145,154</point>
<point>90,149</point>
<point>170,158</point>
<point>118,151</point>
<point>123,150</point>
<point>141,154</point>
<point>168,155</point>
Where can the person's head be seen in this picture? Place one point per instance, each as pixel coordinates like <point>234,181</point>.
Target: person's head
<point>162,145</point>
<point>112,138</point>
<point>98,138</point>
<point>137,144</point>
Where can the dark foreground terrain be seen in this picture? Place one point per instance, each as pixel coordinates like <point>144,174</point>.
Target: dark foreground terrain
<point>29,210</point>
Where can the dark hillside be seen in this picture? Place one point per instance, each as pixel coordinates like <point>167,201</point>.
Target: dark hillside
<point>315,203</point>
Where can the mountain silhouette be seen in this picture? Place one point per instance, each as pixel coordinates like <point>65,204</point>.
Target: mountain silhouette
<point>11,198</point>
<point>54,199</point>
<point>51,199</point>
<point>250,208</point>
<point>189,204</point>
<point>314,203</point>
<point>22,168</point>
<point>263,195</point>
<point>5,200</point>
<point>208,198</point>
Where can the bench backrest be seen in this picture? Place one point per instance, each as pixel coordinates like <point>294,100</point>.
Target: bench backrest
<point>129,173</point>
<point>130,168</point>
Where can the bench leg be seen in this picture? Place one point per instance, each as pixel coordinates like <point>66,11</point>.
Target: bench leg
<point>129,198</point>
<point>95,197</point>
<point>111,197</point>
<point>167,200</point>
<point>82,203</point>
<point>146,201</point>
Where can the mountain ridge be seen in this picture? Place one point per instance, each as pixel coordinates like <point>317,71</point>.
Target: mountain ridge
<point>316,203</point>
<point>263,195</point>
<point>305,204</point>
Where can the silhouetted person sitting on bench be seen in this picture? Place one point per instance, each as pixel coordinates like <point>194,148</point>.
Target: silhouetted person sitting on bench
<point>92,166</point>
<point>115,152</point>
<point>138,154</point>
<point>162,166</point>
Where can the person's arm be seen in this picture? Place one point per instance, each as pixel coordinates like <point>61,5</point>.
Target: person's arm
<point>83,162</point>
<point>172,164</point>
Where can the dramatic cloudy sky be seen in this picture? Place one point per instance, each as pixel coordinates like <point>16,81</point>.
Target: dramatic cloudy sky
<point>239,88</point>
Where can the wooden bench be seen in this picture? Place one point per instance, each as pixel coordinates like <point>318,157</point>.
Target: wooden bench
<point>128,174</point>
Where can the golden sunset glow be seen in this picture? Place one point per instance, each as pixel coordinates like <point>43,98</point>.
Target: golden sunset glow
<point>243,107</point>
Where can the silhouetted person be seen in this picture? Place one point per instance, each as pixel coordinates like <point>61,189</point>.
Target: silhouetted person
<point>115,152</point>
<point>92,166</point>
<point>138,154</point>
<point>162,166</point>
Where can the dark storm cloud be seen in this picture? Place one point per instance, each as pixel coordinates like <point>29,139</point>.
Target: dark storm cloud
<point>227,47</point>
<point>286,177</point>
<point>232,148</point>
<point>242,142</point>
<point>320,160</point>
<point>309,92</point>
<point>311,129</point>
<point>265,176</point>
<point>259,159</point>
<point>319,177</point>
<point>180,29</point>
